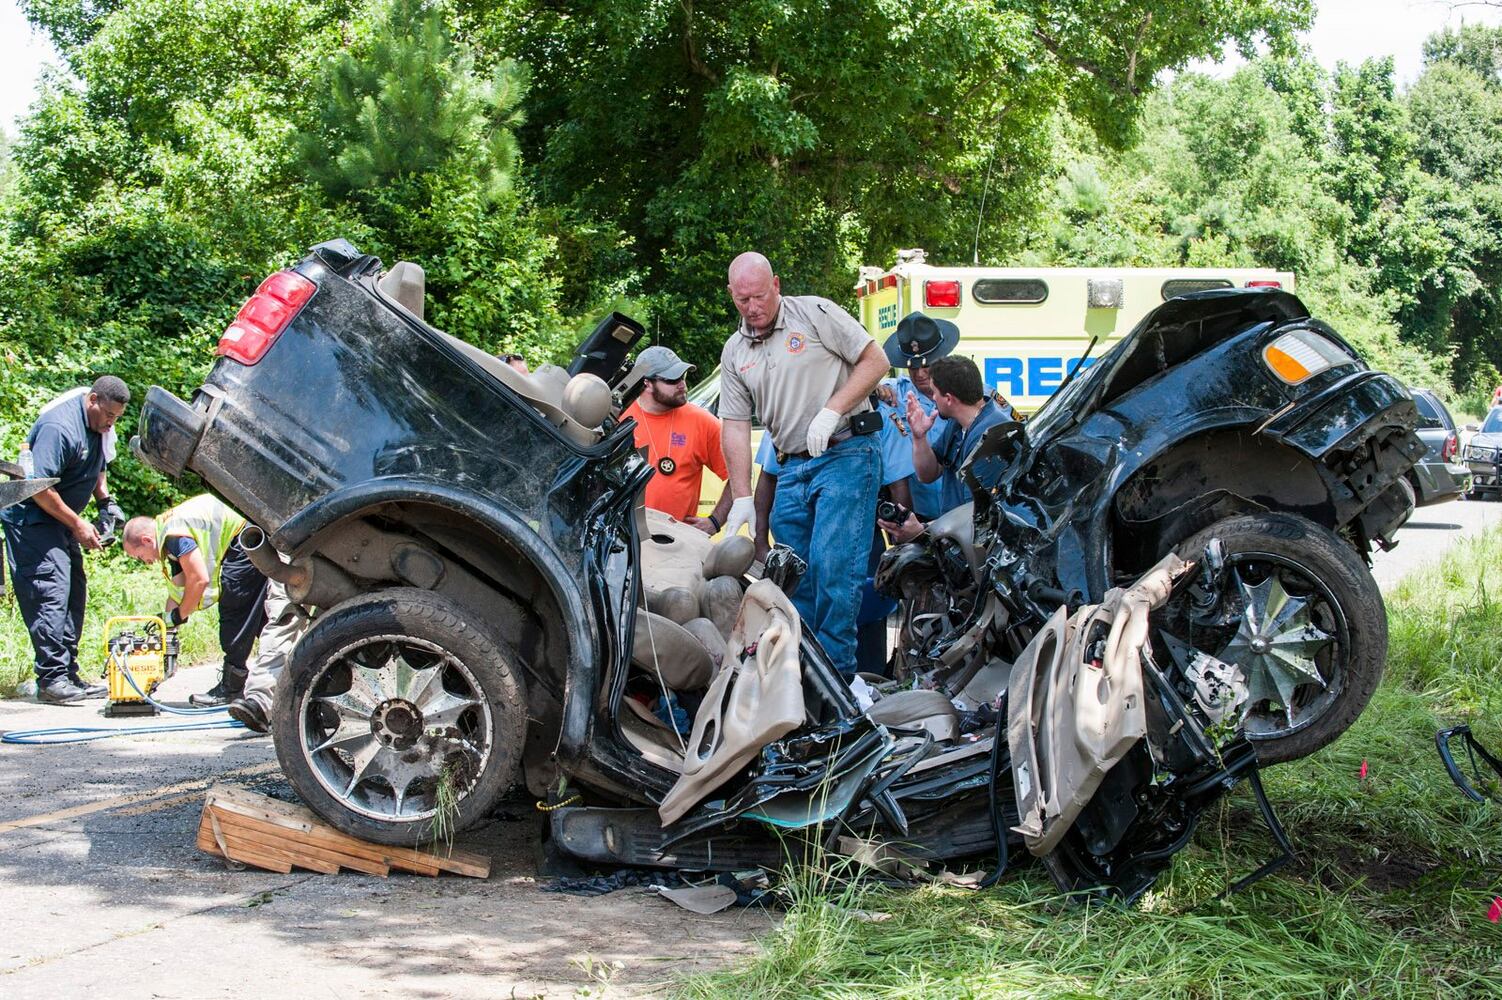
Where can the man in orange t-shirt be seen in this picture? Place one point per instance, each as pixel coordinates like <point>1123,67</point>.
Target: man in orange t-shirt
<point>681,439</point>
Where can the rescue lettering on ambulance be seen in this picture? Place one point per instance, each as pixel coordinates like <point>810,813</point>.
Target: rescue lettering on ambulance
<point>886,317</point>
<point>1038,375</point>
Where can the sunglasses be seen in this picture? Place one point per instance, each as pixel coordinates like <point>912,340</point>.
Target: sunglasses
<point>667,381</point>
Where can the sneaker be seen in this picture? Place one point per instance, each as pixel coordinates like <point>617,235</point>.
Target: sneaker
<point>249,713</point>
<point>60,692</point>
<point>91,689</point>
<point>212,698</point>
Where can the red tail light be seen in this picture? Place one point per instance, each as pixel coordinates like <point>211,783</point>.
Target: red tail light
<point>1264,283</point>
<point>264,316</point>
<point>1449,448</point>
<point>941,294</point>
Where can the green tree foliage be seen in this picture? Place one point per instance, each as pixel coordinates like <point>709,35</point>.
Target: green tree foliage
<point>408,103</point>
<point>1238,172</point>
<point>1477,47</point>
<point>70,23</point>
<point>826,134</point>
<point>414,143</point>
<point>154,192</point>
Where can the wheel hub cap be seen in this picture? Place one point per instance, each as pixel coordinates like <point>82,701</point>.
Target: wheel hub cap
<point>396,723</point>
<point>1276,643</point>
<point>396,727</point>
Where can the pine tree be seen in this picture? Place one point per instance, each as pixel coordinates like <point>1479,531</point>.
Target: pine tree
<point>409,106</point>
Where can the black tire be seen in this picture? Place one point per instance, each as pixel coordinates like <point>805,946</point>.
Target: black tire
<point>475,756</point>
<point>1343,595</point>
<point>1411,490</point>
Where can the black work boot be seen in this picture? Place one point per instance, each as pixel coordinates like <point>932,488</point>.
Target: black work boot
<point>249,714</point>
<point>212,698</point>
<point>60,692</point>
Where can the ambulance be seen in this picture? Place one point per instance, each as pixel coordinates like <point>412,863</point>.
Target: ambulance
<point>1026,328</point>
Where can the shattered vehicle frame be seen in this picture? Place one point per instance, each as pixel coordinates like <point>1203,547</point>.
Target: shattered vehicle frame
<point>1159,587</point>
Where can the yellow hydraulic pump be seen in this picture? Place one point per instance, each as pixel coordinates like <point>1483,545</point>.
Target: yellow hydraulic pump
<point>137,659</point>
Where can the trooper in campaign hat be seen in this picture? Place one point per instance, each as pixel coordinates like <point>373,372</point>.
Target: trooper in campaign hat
<point>917,343</point>
<point>920,340</point>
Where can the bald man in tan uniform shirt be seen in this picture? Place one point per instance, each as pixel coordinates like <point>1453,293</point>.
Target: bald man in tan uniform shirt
<point>805,366</point>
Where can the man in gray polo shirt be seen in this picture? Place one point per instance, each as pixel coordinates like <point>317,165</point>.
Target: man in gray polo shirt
<point>805,367</point>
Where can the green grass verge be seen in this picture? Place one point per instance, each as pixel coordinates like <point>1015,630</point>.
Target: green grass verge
<point>118,585</point>
<point>1389,897</point>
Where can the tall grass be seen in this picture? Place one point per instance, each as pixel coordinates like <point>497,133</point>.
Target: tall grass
<point>1389,896</point>
<point>118,585</point>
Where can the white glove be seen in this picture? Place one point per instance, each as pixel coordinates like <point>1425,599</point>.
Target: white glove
<point>819,430</point>
<point>742,511</point>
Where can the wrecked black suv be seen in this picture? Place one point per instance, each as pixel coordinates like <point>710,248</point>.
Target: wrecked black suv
<point>1159,586</point>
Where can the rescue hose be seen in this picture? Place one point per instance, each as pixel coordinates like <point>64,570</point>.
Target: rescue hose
<point>86,734</point>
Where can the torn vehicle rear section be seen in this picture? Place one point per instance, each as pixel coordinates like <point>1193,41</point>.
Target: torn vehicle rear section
<point>1159,587</point>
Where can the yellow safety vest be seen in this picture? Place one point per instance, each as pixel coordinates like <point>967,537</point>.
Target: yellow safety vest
<point>212,525</point>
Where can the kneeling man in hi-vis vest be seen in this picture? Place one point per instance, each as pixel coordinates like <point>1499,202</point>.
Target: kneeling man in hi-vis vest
<point>197,544</point>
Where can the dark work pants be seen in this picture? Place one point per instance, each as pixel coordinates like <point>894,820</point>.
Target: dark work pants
<point>242,615</point>
<point>871,620</point>
<point>46,567</point>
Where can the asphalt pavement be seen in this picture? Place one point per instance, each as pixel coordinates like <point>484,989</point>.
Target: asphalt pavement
<point>106,895</point>
<point>1430,533</point>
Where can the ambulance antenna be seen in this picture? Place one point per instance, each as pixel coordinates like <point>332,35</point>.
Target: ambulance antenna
<point>981,215</point>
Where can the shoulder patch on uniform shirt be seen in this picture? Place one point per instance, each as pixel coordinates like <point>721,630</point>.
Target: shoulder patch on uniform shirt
<point>796,343</point>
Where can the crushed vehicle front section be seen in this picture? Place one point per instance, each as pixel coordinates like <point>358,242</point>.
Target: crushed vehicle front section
<point>1186,422</point>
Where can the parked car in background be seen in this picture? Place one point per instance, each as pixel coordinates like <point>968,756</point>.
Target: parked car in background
<point>1438,476</point>
<point>1482,455</point>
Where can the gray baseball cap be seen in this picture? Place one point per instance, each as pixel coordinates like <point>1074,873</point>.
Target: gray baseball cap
<point>661,362</point>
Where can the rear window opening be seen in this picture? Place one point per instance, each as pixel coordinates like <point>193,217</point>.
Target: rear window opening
<point>1009,291</point>
<point>1427,411</point>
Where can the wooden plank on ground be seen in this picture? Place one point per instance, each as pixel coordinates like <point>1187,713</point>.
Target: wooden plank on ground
<point>257,829</point>
<point>236,826</point>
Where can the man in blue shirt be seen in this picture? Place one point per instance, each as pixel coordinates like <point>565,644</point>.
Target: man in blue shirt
<point>46,535</point>
<point>960,398</point>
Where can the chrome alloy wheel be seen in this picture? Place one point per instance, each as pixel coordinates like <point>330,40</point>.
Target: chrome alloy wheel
<point>1290,636</point>
<point>391,724</point>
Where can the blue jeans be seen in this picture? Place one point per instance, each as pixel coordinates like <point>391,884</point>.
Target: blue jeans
<point>825,511</point>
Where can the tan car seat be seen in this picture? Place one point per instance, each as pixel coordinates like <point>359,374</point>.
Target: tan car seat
<point>930,710</point>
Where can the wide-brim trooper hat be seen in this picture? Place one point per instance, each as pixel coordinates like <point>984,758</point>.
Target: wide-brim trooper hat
<point>661,362</point>
<point>920,340</point>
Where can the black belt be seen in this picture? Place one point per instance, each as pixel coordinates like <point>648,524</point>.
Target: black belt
<point>838,437</point>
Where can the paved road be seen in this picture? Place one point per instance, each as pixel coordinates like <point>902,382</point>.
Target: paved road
<point>107,896</point>
<point>1429,534</point>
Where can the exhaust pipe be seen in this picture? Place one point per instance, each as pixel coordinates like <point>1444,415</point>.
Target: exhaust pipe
<point>265,558</point>
<point>315,582</point>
